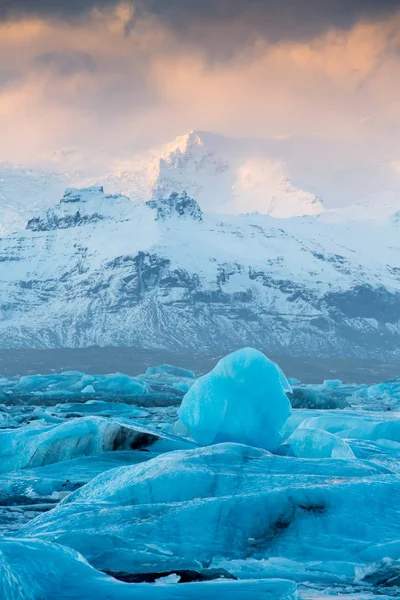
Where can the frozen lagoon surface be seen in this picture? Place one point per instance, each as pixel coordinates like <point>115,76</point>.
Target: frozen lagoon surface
<point>239,484</point>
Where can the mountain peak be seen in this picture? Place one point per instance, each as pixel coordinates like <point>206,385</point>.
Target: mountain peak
<point>79,207</point>
<point>184,143</point>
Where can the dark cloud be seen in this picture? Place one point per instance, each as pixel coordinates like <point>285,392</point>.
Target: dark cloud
<point>66,63</point>
<point>62,9</point>
<point>221,27</point>
<point>278,18</point>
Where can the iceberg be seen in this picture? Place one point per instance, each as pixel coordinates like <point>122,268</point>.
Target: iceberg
<point>167,378</point>
<point>332,393</point>
<point>183,509</point>
<point>36,570</point>
<point>241,400</point>
<point>162,385</point>
<point>317,443</point>
<point>104,494</point>
<point>97,407</point>
<point>353,426</point>
<point>38,445</point>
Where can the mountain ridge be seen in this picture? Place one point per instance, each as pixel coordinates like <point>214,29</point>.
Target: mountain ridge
<point>225,175</point>
<point>168,275</point>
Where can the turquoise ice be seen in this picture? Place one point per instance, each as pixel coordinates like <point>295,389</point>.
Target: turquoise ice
<point>242,400</point>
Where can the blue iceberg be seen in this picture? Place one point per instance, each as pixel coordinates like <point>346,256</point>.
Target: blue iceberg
<point>36,570</point>
<point>184,509</point>
<point>103,489</point>
<point>242,400</point>
<point>306,442</point>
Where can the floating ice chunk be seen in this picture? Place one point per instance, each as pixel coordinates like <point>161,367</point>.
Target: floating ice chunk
<point>33,570</point>
<point>89,389</point>
<point>168,371</point>
<point>41,383</point>
<point>167,376</point>
<point>36,445</point>
<point>332,383</point>
<point>99,407</point>
<point>242,399</point>
<point>172,578</point>
<point>163,385</point>
<point>316,443</point>
<point>280,567</point>
<point>118,383</point>
<point>355,427</point>
<point>379,395</point>
<point>72,384</point>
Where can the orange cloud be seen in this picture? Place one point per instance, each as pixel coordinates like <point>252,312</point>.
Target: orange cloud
<point>149,85</point>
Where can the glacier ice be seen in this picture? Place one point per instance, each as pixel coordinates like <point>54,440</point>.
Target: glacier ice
<point>160,371</point>
<point>97,407</point>
<point>331,394</point>
<point>36,570</point>
<point>180,379</point>
<point>183,509</point>
<point>112,483</point>
<point>306,442</point>
<point>38,444</point>
<point>162,385</point>
<point>353,426</point>
<point>242,400</point>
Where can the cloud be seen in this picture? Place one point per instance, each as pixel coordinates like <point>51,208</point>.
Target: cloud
<point>66,63</point>
<point>274,20</point>
<point>60,9</point>
<point>87,82</point>
<point>198,20</point>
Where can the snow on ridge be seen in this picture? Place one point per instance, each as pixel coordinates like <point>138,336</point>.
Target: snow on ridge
<point>108,271</point>
<point>226,177</point>
<point>81,206</point>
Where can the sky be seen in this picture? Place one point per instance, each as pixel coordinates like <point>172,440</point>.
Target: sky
<point>121,77</point>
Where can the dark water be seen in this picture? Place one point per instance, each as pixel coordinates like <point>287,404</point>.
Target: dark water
<point>134,361</point>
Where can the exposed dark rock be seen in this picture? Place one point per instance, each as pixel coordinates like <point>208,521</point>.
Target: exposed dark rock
<point>52,221</point>
<point>178,205</point>
<point>186,576</point>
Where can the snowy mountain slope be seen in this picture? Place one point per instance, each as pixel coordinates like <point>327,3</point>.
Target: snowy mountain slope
<point>103,270</point>
<point>379,207</point>
<point>23,191</point>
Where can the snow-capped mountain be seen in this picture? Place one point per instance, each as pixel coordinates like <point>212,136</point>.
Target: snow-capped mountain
<point>224,180</point>
<point>98,269</point>
<point>225,175</point>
